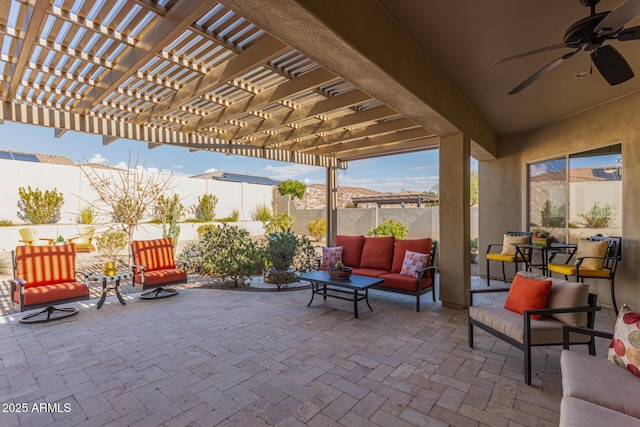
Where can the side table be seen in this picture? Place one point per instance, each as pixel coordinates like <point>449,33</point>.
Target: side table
<point>105,280</point>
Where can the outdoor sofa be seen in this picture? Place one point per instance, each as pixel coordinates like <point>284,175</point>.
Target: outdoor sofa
<point>383,257</point>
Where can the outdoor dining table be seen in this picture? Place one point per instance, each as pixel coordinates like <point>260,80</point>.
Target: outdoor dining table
<point>525,251</point>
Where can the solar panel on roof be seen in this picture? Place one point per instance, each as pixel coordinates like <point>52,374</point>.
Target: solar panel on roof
<point>251,179</point>
<point>5,155</point>
<point>25,157</point>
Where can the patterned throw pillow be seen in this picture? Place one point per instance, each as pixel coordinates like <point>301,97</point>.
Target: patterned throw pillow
<point>624,349</point>
<point>330,256</point>
<point>412,262</point>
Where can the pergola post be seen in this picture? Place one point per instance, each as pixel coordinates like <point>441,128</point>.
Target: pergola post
<point>332,204</point>
<point>455,258</point>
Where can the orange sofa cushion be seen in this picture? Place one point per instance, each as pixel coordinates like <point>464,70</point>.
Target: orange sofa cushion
<point>45,294</point>
<point>422,246</point>
<point>351,249</point>
<point>370,272</point>
<point>527,294</point>
<point>154,254</point>
<point>405,283</point>
<point>377,253</point>
<point>45,265</point>
<point>161,277</point>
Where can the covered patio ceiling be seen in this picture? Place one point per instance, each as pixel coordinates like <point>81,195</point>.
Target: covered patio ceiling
<point>188,73</point>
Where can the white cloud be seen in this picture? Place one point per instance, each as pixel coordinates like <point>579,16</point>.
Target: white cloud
<point>97,158</point>
<point>289,171</point>
<point>177,166</point>
<point>122,165</point>
<point>211,170</point>
<point>422,167</point>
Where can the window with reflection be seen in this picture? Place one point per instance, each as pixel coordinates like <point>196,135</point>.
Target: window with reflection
<point>577,196</point>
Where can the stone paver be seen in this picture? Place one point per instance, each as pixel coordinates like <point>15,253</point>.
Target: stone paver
<point>213,357</point>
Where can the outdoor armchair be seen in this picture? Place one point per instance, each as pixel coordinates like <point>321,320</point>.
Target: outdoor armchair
<point>596,258</point>
<point>154,267</point>
<point>29,236</point>
<point>508,252</point>
<point>84,241</point>
<point>44,276</point>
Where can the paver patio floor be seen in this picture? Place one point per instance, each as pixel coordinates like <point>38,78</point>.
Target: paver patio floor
<point>213,357</point>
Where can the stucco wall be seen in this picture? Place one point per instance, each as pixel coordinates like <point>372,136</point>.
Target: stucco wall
<point>502,182</point>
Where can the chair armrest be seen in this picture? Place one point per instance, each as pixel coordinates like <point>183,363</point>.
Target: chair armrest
<point>472,292</point>
<point>318,261</point>
<point>16,283</point>
<point>492,245</point>
<point>567,329</point>
<point>84,273</point>
<point>140,267</point>
<point>184,262</point>
<point>49,241</point>
<point>431,268</point>
<point>582,258</point>
<point>547,311</point>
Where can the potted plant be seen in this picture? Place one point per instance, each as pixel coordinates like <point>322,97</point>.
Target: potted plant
<point>541,238</point>
<point>474,250</point>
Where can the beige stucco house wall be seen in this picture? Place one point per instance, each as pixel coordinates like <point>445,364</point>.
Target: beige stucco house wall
<point>502,182</point>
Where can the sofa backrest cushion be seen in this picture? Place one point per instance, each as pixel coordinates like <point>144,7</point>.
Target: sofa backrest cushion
<point>45,265</point>
<point>565,294</point>
<point>154,254</point>
<point>351,249</point>
<point>377,253</point>
<point>527,294</point>
<point>422,246</point>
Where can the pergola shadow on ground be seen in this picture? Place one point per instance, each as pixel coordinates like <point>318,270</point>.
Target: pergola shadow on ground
<point>212,357</point>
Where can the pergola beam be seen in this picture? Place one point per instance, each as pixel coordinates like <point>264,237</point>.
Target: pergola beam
<point>385,140</point>
<point>421,144</point>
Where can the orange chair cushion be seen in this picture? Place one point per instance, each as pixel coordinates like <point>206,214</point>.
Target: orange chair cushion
<point>377,253</point>
<point>45,294</point>
<point>422,246</point>
<point>45,265</point>
<point>154,254</point>
<point>161,277</point>
<point>351,249</point>
<point>405,283</point>
<point>528,294</point>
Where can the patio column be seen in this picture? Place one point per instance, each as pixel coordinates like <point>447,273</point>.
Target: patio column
<point>332,205</point>
<point>455,262</point>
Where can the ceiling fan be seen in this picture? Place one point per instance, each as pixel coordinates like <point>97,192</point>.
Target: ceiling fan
<point>590,34</point>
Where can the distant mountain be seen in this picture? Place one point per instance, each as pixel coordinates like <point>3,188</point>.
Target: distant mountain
<point>316,196</point>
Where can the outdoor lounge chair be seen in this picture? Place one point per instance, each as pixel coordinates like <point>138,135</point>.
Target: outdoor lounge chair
<point>84,240</point>
<point>155,267</point>
<point>44,276</point>
<point>29,236</point>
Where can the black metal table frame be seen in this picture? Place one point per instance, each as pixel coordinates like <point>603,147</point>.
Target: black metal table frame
<point>105,279</point>
<point>525,250</point>
<point>331,288</point>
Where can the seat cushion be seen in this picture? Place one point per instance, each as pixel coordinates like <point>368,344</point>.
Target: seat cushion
<point>154,254</point>
<point>351,249</point>
<point>505,258</point>
<point>511,324</point>
<point>570,270</point>
<point>422,246</point>
<point>377,253</point>
<point>51,294</point>
<point>369,272</point>
<point>45,265</point>
<point>579,413</point>
<point>600,382</point>
<point>161,277</point>
<point>402,282</point>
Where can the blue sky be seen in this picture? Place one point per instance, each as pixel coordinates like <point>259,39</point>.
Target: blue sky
<point>411,172</point>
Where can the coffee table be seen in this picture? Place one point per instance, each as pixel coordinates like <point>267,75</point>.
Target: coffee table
<point>105,279</point>
<point>356,286</point>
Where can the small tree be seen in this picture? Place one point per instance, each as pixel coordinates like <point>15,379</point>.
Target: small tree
<point>317,228</point>
<point>390,227</point>
<point>206,208</point>
<point>39,207</point>
<point>293,187</point>
<point>169,210</point>
<point>111,243</point>
<point>129,195</point>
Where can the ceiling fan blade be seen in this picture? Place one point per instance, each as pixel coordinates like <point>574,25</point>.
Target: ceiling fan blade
<point>531,52</point>
<point>619,17</point>
<point>613,67</point>
<point>632,33</point>
<point>544,70</point>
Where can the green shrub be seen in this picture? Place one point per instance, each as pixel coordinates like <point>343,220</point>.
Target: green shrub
<point>111,243</point>
<point>37,207</point>
<point>226,252</point>
<point>6,223</point>
<point>317,228</point>
<point>285,250</point>
<point>598,216</point>
<point>293,187</point>
<point>204,228</point>
<point>474,245</point>
<point>167,208</point>
<point>279,223</point>
<point>87,215</point>
<point>390,227</point>
<point>262,213</point>
<point>206,208</point>
<point>234,217</point>
<point>554,215</point>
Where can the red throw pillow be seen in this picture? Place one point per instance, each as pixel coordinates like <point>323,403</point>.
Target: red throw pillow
<point>528,294</point>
